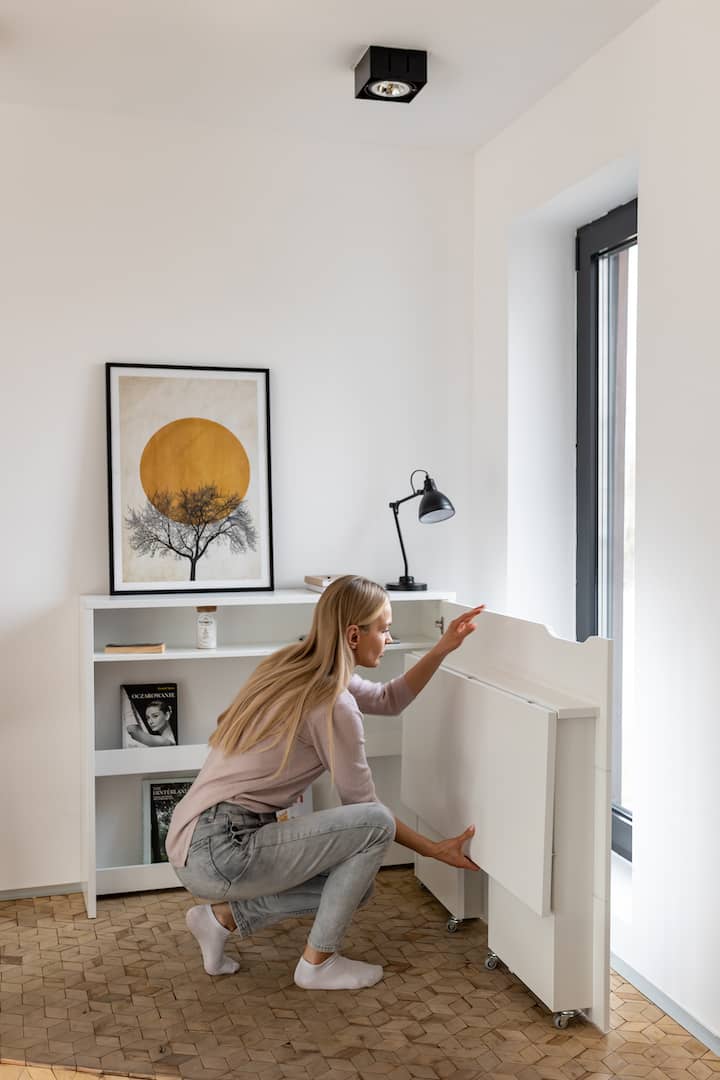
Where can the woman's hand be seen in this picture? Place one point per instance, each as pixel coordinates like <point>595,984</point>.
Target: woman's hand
<point>459,629</point>
<point>451,851</point>
<point>447,851</point>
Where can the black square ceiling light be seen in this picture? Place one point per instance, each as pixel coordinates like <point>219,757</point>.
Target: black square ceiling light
<point>390,74</point>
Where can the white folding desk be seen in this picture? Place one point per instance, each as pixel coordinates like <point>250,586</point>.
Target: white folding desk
<point>512,735</point>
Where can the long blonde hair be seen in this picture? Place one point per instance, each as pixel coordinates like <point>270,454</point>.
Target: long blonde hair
<point>299,677</point>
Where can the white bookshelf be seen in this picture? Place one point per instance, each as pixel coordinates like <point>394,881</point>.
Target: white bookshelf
<point>250,626</point>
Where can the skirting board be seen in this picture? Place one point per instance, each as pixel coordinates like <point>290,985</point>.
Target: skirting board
<point>43,890</point>
<point>676,1012</point>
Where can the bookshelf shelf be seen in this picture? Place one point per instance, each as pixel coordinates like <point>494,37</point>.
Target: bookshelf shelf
<point>230,651</point>
<point>143,761</point>
<point>250,626</point>
<point>281,597</point>
<point>119,879</point>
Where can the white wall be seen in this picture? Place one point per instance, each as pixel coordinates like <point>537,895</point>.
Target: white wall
<point>346,270</point>
<point>648,101</point>
<point>541,428</point>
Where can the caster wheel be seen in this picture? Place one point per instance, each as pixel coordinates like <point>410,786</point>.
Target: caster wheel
<point>561,1021</point>
<point>423,886</point>
<point>453,924</point>
<point>491,962</point>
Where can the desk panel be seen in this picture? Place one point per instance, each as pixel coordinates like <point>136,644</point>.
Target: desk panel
<point>473,754</point>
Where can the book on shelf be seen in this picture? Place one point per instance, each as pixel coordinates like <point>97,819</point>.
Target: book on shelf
<point>149,713</point>
<point>160,797</point>
<point>320,582</point>
<point>143,646</point>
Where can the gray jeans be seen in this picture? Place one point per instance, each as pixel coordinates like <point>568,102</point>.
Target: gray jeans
<point>322,863</point>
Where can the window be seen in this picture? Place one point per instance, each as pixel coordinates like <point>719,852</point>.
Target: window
<point>606,264</point>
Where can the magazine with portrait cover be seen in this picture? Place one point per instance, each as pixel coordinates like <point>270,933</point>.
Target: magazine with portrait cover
<point>160,797</point>
<point>149,714</point>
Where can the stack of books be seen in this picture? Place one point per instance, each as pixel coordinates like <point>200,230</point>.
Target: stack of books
<point>320,582</point>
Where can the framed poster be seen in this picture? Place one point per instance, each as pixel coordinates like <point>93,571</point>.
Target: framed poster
<point>188,478</point>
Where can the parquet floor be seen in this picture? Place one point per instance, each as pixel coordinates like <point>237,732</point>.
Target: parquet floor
<point>126,995</point>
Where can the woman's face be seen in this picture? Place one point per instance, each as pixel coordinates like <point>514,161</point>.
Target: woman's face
<point>373,638</point>
<point>156,719</point>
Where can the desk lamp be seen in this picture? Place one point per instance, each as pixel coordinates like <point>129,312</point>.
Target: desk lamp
<point>434,506</point>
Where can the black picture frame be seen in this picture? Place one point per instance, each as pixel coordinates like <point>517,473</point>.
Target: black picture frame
<point>189,479</point>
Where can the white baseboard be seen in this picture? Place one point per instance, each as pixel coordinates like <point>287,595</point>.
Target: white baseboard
<point>44,890</point>
<point>663,1002</point>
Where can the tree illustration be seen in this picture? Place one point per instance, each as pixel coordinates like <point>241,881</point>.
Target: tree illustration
<point>183,524</point>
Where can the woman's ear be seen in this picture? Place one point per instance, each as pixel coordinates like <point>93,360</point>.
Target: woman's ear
<point>352,636</point>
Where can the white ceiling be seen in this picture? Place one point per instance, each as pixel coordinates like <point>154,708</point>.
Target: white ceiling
<point>287,65</point>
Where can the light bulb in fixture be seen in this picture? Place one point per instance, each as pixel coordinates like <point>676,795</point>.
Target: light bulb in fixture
<point>384,88</point>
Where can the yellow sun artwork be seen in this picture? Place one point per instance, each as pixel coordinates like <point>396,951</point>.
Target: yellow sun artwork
<point>190,454</point>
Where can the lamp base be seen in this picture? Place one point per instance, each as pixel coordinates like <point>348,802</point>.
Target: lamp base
<point>406,584</point>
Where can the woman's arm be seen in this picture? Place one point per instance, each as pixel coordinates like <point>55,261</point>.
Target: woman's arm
<point>420,674</point>
<point>447,851</point>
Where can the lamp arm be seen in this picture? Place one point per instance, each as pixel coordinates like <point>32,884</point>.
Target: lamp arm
<point>394,508</point>
<point>407,498</point>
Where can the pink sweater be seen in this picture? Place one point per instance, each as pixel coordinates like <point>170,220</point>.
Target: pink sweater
<point>247,778</point>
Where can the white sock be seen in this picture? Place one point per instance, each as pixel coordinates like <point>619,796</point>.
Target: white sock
<point>336,973</point>
<point>211,937</point>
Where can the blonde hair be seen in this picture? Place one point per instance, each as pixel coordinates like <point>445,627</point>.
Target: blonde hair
<point>299,677</point>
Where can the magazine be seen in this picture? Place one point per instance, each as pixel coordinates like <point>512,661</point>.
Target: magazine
<point>149,714</point>
<point>160,797</point>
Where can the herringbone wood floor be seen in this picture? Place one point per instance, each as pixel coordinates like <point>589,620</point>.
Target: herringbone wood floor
<point>126,995</point>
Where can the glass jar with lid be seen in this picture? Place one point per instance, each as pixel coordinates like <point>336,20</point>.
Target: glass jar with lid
<point>206,628</point>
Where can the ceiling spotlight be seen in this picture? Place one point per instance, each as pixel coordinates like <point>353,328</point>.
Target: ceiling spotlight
<point>390,74</point>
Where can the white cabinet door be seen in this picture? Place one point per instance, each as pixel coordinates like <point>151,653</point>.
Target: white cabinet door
<point>474,754</point>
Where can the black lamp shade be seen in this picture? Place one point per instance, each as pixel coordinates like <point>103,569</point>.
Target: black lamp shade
<point>434,506</point>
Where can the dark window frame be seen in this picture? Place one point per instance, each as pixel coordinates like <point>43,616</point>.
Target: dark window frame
<point>613,232</point>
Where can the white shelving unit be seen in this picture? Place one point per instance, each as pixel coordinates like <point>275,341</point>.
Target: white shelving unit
<point>250,626</point>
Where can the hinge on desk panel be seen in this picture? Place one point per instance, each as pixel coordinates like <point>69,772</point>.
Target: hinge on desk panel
<point>440,623</point>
